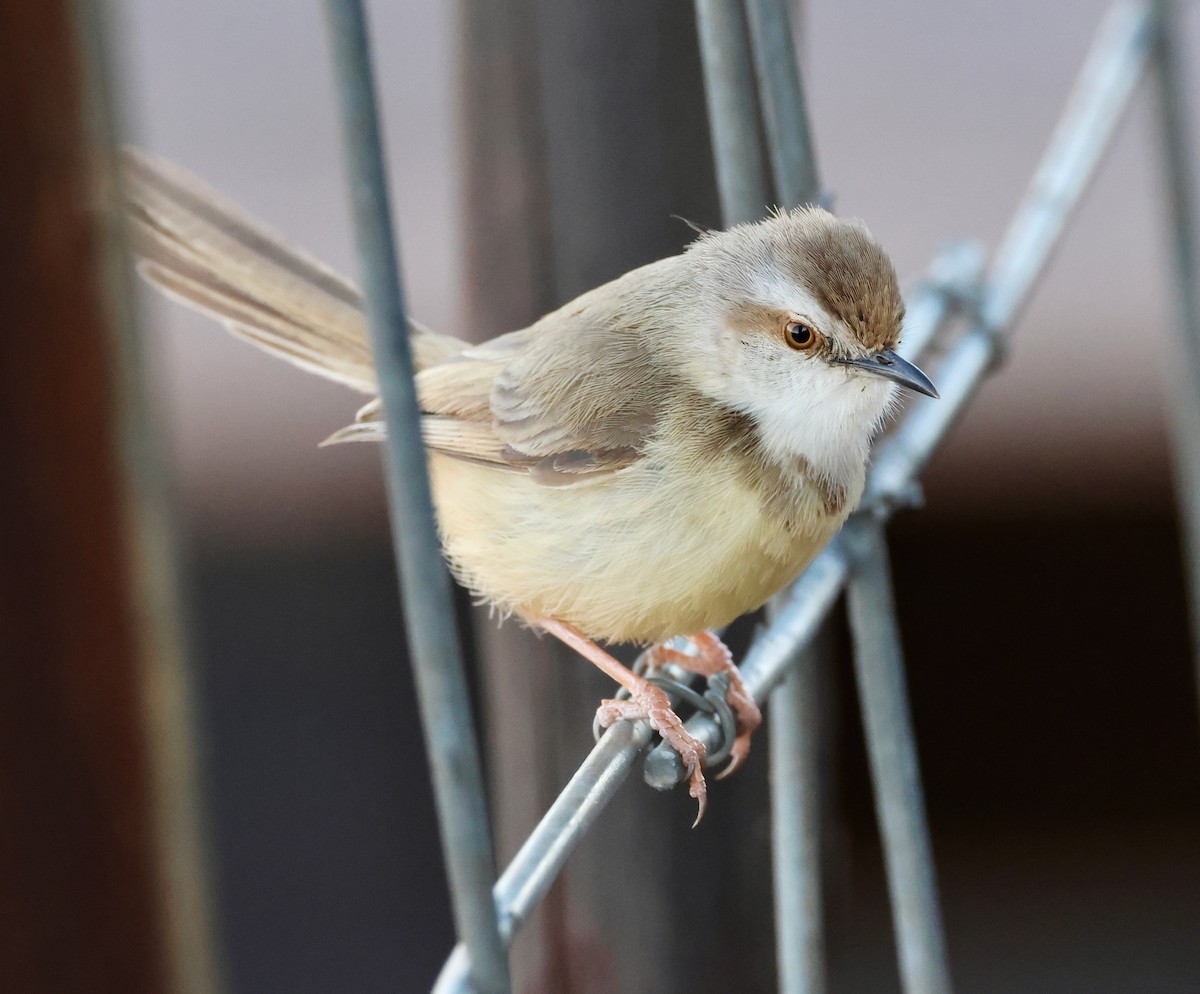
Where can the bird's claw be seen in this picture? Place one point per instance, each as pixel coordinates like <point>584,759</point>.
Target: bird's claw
<point>726,698</point>
<point>699,790</point>
<point>737,755</point>
<point>651,704</point>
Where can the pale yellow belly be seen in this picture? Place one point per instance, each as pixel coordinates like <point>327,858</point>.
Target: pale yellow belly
<point>637,557</point>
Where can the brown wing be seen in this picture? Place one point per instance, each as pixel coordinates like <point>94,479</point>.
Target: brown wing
<point>573,398</point>
<point>570,400</point>
<point>579,403</point>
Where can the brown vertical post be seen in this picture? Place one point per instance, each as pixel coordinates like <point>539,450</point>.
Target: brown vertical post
<point>585,130</point>
<point>95,895</point>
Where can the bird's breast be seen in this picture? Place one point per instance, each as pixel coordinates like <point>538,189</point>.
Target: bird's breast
<point>672,545</point>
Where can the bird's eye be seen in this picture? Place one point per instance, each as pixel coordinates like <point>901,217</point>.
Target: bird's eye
<point>800,336</point>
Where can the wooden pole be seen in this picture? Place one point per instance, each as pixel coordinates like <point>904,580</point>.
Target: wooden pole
<point>100,888</point>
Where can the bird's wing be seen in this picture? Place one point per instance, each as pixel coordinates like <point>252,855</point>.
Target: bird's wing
<point>527,402</point>
<point>209,254</point>
<point>522,402</point>
<point>581,400</point>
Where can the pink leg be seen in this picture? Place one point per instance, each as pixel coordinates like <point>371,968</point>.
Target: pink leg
<point>714,657</point>
<point>647,702</point>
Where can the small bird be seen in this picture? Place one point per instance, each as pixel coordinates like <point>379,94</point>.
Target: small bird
<point>651,460</point>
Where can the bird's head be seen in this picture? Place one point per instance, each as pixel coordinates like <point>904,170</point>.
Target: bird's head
<point>807,313</point>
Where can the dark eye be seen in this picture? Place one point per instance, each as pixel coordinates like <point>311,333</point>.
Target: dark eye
<point>799,335</point>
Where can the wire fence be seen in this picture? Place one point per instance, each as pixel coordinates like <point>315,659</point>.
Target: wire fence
<point>433,640</point>
<point>751,76</point>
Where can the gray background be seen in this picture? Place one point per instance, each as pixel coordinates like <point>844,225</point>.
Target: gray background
<point>1039,591</point>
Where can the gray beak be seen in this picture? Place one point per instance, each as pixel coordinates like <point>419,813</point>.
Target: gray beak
<point>890,366</point>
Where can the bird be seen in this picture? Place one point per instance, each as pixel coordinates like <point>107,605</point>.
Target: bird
<point>648,462</point>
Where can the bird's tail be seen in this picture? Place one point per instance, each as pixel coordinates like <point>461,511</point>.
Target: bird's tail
<point>205,252</point>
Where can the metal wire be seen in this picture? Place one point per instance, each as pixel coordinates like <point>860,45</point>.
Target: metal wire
<point>425,582</point>
<point>796,826</point>
<point>785,111</point>
<point>1085,128</point>
<point>795,774</point>
<point>1097,102</point>
<point>1100,97</point>
<point>732,110</point>
<point>1180,175</point>
<point>891,748</point>
<point>888,726</point>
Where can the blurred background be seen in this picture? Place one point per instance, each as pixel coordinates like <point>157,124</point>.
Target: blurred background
<point>1040,590</point>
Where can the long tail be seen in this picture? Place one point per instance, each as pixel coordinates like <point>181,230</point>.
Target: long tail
<point>205,252</point>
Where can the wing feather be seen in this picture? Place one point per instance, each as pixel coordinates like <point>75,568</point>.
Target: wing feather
<point>526,401</point>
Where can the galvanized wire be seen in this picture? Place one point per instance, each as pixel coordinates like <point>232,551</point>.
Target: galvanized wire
<point>796,802</point>
<point>785,111</point>
<point>732,110</point>
<point>795,773</point>
<point>1100,97</point>
<point>892,751</point>
<point>1097,102</point>
<point>425,583</point>
<point>879,665</point>
<point>1180,184</point>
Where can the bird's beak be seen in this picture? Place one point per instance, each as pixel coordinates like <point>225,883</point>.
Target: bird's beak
<point>890,366</point>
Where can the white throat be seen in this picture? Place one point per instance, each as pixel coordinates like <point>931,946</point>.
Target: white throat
<point>830,423</point>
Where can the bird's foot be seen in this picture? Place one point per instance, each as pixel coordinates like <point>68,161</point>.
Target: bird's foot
<point>714,657</point>
<point>650,703</point>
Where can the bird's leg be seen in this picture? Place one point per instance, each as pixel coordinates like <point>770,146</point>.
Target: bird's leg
<point>714,657</point>
<point>647,702</point>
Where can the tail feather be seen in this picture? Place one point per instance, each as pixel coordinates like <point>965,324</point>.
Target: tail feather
<point>206,253</point>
